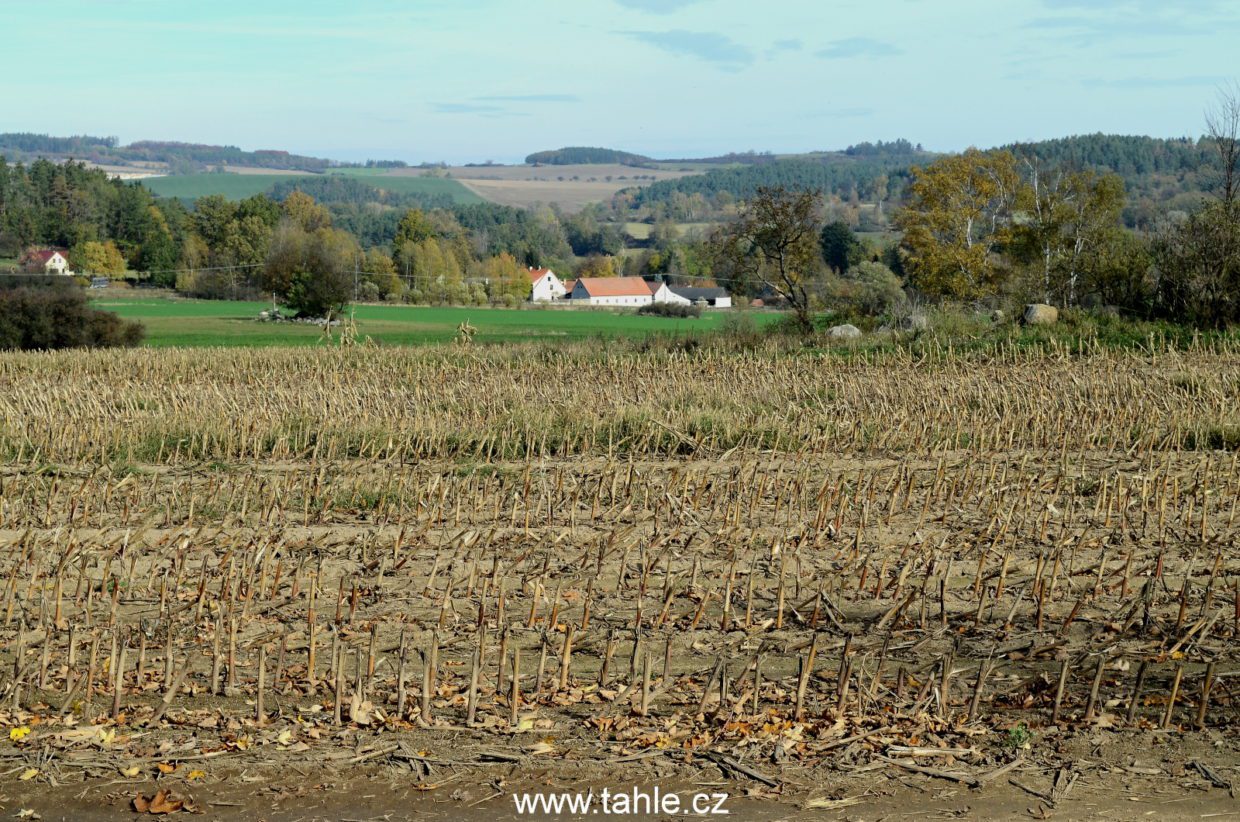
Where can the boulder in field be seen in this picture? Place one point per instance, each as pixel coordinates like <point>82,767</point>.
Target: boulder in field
<point>1041,314</point>
<point>844,332</point>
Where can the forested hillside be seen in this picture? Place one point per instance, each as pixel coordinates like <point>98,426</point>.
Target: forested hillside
<point>870,179</point>
<point>340,189</point>
<point>582,155</point>
<point>1159,174</point>
<point>26,147</point>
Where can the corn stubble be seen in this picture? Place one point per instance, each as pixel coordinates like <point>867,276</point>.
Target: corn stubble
<point>803,557</point>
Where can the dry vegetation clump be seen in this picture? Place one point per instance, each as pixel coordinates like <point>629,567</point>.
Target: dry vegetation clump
<point>804,572</point>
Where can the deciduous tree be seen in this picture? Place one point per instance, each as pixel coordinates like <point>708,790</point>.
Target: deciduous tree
<point>958,216</point>
<point>1066,217</point>
<point>775,240</point>
<point>104,259</point>
<point>305,212</point>
<point>508,280</point>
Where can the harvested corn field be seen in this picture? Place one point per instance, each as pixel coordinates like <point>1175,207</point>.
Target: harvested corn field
<point>289,584</point>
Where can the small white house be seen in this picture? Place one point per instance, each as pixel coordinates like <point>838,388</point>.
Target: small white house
<point>47,260</point>
<point>545,286</point>
<point>613,291</point>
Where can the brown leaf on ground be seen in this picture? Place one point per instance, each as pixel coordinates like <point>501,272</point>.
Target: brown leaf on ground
<point>163,802</point>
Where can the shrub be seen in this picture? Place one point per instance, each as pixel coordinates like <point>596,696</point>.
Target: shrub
<point>41,314</point>
<point>679,310</point>
<point>1198,261</point>
<point>740,330</point>
<point>868,289</point>
<point>318,295</point>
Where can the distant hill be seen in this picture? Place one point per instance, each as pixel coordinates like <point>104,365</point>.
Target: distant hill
<point>175,156</point>
<point>580,155</point>
<point>856,172</point>
<point>1158,173</point>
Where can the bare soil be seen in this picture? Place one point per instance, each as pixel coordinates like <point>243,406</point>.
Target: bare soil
<point>662,544</point>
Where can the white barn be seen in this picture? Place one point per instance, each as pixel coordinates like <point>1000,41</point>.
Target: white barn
<point>615,291</point>
<point>545,286</point>
<point>714,297</point>
<point>660,293</point>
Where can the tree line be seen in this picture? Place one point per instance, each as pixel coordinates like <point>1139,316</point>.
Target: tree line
<point>1007,226</point>
<point>1048,222</point>
<point>354,243</point>
<point>585,155</point>
<point>178,155</point>
<point>1159,175</point>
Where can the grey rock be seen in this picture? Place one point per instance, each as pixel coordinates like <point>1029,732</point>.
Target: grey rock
<point>1041,314</point>
<point>844,332</point>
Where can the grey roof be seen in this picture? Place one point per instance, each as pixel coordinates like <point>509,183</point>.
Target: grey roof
<point>693,294</point>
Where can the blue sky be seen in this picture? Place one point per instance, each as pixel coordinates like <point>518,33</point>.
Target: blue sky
<point>472,80</point>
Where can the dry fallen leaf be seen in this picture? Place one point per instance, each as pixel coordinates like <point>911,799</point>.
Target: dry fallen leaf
<point>18,734</point>
<point>360,710</point>
<point>164,767</point>
<point>131,771</point>
<point>161,803</point>
<point>195,774</point>
<point>28,774</point>
<point>539,748</point>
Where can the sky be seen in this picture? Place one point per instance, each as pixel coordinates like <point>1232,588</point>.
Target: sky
<point>477,80</point>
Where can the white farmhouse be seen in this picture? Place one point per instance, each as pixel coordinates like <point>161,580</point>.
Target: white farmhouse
<point>545,286</point>
<point>47,261</point>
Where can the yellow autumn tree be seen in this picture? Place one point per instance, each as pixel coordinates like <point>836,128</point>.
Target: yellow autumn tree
<point>301,209</point>
<point>959,214</point>
<point>507,280</point>
<point>103,259</point>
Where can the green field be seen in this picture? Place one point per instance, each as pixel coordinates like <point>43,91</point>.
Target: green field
<point>408,184</point>
<point>179,322</point>
<point>240,186</point>
<point>641,231</point>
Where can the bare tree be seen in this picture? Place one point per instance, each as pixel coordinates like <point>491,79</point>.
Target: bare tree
<point>775,239</point>
<point>1198,259</point>
<point>1223,127</point>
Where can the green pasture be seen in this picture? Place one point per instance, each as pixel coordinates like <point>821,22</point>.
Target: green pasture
<point>193,323</point>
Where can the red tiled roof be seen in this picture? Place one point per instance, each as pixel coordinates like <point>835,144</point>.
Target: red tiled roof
<point>569,285</point>
<point>537,274</point>
<point>615,286</point>
<point>44,254</point>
